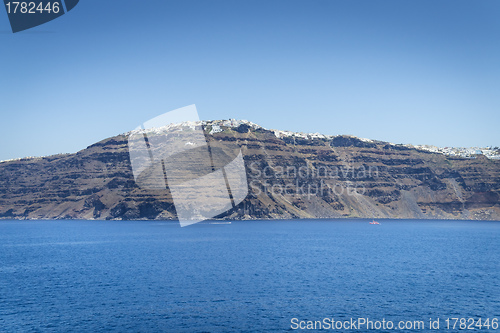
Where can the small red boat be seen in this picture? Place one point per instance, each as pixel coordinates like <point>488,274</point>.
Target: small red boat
<point>374,222</point>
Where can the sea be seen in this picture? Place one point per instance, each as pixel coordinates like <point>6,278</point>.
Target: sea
<point>250,276</point>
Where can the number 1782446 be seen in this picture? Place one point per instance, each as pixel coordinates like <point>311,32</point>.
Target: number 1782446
<point>15,7</point>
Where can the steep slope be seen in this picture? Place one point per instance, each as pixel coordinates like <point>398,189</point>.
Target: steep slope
<point>290,176</point>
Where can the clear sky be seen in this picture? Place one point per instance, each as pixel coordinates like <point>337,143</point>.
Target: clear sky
<point>420,72</point>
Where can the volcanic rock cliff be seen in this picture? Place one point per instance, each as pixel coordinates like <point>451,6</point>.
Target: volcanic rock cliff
<point>289,176</point>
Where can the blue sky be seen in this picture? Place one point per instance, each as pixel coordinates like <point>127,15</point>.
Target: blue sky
<point>421,72</point>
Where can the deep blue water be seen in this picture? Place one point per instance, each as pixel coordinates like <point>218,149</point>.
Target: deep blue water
<point>97,276</point>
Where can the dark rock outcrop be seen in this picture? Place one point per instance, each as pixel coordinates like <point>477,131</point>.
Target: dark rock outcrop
<point>289,177</point>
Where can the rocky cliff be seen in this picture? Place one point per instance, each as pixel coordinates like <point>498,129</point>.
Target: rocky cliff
<point>289,176</point>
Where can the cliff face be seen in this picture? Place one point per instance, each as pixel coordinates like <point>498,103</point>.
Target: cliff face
<point>289,177</point>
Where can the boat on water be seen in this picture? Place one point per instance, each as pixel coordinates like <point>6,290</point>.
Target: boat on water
<point>374,222</point>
